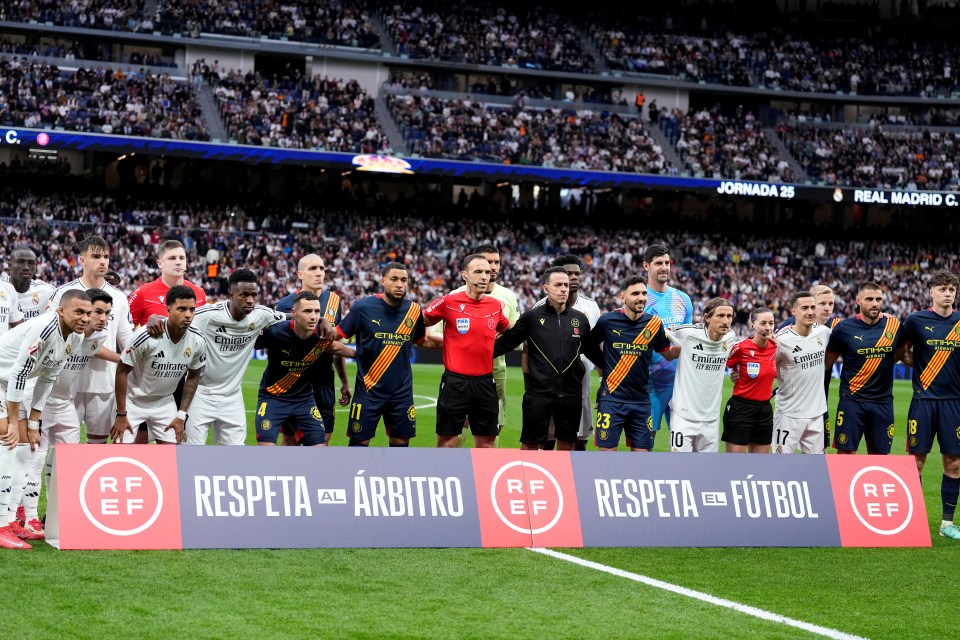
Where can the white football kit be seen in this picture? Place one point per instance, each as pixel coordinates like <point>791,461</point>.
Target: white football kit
<point>10,311</point>
<point>35,300</point>
<point>31,357</point>
<point>61,423</point>
<point>218,403</point>
<point>158,364</point>
<point>95,394</point>
<point>801,403</point>
<point>698,388</point>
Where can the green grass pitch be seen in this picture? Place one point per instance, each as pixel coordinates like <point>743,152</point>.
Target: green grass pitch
<point>476,593</point>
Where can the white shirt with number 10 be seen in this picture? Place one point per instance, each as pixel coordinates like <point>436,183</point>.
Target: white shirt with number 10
<point>698,387</point>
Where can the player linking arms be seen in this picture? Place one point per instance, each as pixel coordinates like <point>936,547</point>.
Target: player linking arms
<point>286,399</point>
<point>157,364</point>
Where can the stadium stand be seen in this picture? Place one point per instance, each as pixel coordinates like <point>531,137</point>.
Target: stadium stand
<point>300,113</point>
<point>134,103</point>
<point>877,156</point>
<point>576,137</point>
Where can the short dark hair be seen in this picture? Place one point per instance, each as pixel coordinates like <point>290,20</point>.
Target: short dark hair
<point>167,245</point>
<point>487,248</point>
<point>242,275</point>
<point>74,294</point>
<point>304,295</point>
<point>180,292</point>
<point>799,294</point>
<point>943,277</point>
<point>655,251</point>
<point>759,311</point>
<point>470,258</point>
<point>549,271</point>
<point>872,286</point>
<point>24,247</point>
<point>629,281</point>
<point>713,304</point>
<point>92,242</point>
<point>390,266</point>
<point>565,259</point>
<point>99,295</point>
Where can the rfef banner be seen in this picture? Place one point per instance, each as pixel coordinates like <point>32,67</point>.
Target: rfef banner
<point>160,497</point>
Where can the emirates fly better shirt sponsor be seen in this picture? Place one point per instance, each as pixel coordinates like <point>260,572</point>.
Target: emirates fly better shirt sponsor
<point>800,371</point>
<point>229,344</point>
<point>700,370</point>
<point>159,363</point>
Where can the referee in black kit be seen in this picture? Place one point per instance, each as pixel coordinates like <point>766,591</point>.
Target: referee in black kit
<point>554,385</point>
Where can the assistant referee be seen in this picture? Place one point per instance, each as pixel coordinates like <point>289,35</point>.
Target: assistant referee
<point>554,385</point>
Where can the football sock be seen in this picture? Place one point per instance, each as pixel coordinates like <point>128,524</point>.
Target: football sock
<point>354,443</point>
<point>31,494</point>
<point>7,461</point>
<point>949,489</point>
<point>581,445</point>
<point>18,482</point>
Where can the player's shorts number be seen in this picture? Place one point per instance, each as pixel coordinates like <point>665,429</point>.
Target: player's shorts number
<point>603,420</point>
<point>262,411</point>
<point>355,411</point>
<point>781,435</point>
<point>913,427</point>
<point>840,418</point>
<point>676,439</point>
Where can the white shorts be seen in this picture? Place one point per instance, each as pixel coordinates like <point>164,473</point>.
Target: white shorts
<point>60,423</point>
<point>158,413</point>
<point>687,436</point>
<point>226,415</point>
<point>97,411</point>
<point>791,434</point>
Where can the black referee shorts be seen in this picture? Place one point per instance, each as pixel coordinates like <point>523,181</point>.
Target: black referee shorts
<point>539,410</point>
<point>747,422</point>
<point>467,397</point>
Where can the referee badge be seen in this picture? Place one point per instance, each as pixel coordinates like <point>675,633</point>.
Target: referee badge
<point>753,369</point>
<point>463,325</point>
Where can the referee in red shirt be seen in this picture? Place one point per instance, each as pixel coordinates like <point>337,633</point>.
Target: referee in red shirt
<point>471,322</point>
<point>748,417</point>
<point>150,299</point>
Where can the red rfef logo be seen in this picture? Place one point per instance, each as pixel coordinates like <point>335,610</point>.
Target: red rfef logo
<point>526,499</point>
<point>879,501</point>
<point>118,497</point>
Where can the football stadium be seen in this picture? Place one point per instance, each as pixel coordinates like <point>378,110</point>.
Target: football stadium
<point>467,250</point>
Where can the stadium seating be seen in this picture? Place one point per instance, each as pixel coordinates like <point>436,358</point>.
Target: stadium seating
<point>300,113</point>
<point>487,34</point>
<point>577,138</point>
<point>877,156</point>
<point>134,103</point>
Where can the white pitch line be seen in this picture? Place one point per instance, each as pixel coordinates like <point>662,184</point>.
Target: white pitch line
<point>699,595</point>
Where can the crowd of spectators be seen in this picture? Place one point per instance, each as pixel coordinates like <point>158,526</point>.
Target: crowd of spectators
<point>132,102</point>
<point>714,145</point>
<point>892,158</point>
<point>299,112</point>
<point>343,23</point>
<point>486,34</point>
<point>749,269</point>
<point>111,15</point>
<point>575,138</point>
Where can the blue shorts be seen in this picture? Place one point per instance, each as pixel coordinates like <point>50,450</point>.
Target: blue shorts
<point>326,398</point>
<point>928,418</point>
<point>399,416</point>
<point>294,416</point>
<point>614,418</point>
<point>660,405</point>
<point>856,419</point>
